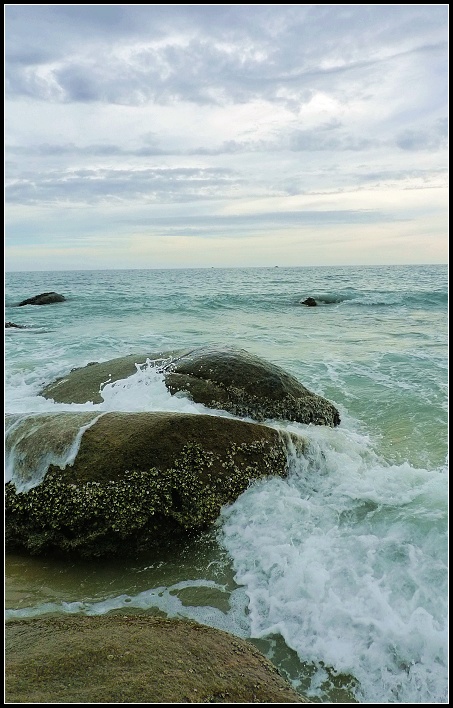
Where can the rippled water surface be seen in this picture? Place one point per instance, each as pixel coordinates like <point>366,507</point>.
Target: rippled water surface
<point>339,572</point>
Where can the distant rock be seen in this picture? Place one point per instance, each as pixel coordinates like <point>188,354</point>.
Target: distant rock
<point>310,302</point>
<point>43,299</point>
<point>138,479</point>
<point>223,378</point>
<point>135,659</point>
<point>16,326</point>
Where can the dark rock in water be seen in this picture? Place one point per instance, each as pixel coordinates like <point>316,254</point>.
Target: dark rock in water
<point>138,479</point>
<point>135,659</point>
<point>245,385</point>
<point>16,326</point>
<point>222,378</point>
<point>43,299</point>
<point>310,302</point>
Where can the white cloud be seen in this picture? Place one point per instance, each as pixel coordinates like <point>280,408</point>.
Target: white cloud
<point>225,120</point>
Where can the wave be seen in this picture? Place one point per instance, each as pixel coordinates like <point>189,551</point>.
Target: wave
<point>28,456</point>
<point>383,298</point>
<point>344,562</point>
<point>347,561</point>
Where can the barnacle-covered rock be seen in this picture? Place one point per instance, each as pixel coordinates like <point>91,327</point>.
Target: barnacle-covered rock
<point>138,479</point>
<point>219,377</point>
<point>245,385</point>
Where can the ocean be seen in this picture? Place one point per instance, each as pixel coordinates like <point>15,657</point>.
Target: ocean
<point>337,573</point>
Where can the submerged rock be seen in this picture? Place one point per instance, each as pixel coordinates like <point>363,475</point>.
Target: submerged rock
<point>43,299</point>
<point>137,479</point>
<point>219,377</point>
<point>135,659</point>
<point>8,325</point>
<point>310,302</point>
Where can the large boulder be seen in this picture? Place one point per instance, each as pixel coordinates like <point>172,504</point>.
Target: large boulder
<point>222,378</point>
<point>135,659</point>
<point>43,299</point>
<point>137,479</point>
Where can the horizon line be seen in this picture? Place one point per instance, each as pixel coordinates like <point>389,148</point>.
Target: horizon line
<point>285,267</point>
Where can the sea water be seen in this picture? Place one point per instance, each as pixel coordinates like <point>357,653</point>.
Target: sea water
<point>337,573</point>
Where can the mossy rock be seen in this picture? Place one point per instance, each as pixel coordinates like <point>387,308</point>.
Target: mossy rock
<point>223,378</point>
<point>83,385</point>
<point>135,659</point>
<point>137,479</point>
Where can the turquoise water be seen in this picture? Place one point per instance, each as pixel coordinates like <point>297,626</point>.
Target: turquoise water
<point>338,573</point>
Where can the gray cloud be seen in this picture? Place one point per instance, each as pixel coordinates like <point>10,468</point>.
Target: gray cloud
<point>272,220</point>
<point>92,150</point>
<point>232,226</point>
<point>206,55</point>
<point>433,138</point>
<point>199,72</point>
<point>330,136</point>
<point>124,116</point>
<point>94,185</point>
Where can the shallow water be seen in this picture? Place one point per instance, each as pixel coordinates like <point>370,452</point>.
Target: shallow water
<point>338,573</point>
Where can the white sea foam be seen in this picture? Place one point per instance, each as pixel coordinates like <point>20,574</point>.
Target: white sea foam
<point>346,560</point>
<point>163,599</point>
<point>145,390</point>
<point>31,444</point>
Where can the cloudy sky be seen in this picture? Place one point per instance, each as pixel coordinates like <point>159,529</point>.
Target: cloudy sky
<point>160,136</point>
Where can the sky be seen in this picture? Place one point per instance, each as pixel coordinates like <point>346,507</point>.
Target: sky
<point>177,136</point>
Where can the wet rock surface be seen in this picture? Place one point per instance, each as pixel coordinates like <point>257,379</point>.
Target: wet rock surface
<point>137,479</point>
<point>135,659</point>
<point>219,377</point>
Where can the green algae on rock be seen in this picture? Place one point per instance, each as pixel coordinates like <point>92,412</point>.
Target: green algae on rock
<point>222,378</point>
<point>135,659</point>
<point>140,479</point>
<point>83,385</point>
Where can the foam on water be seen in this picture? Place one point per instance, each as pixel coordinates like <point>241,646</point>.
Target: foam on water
<point>31,446</point>
<point>347,561</point>
<point>163,599</point>
<point>145,391</point>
